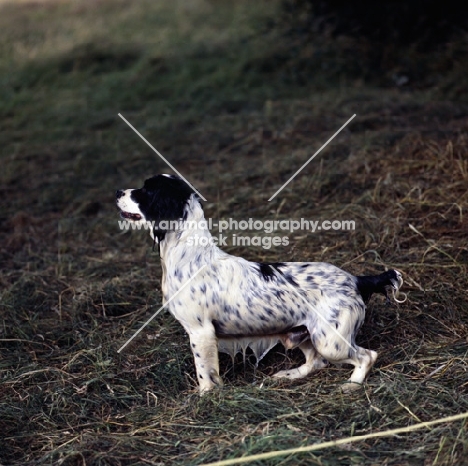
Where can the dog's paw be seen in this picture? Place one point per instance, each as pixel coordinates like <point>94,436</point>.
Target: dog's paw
<point>350,387</point>
<point>216,379</point>
<point>289,374</point>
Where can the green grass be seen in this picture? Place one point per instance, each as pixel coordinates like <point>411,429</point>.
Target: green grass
<point>237,107</point>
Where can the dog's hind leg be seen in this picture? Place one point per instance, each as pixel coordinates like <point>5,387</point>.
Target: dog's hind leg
<point>342,350</point>
<point>204,347</point>
<point>362,360</point>
<point>313,362</point>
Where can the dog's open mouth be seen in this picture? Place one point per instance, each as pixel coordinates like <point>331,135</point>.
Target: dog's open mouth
<point>129,216</point>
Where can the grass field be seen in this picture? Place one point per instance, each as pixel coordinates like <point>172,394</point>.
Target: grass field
<point>237,107</point>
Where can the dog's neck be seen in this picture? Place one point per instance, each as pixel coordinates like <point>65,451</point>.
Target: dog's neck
<point>193,243</point>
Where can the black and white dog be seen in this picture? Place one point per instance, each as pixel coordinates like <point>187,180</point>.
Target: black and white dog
<point>227,303</point>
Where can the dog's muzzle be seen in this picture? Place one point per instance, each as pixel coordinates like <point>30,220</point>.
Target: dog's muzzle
<point>128,215</point>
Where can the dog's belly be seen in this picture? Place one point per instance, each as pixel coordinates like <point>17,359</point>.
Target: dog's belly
<point>290,338</point>
<point>261,344</point>
<point>234,328</point>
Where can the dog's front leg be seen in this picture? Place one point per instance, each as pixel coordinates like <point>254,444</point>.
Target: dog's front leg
<point>204,346</point>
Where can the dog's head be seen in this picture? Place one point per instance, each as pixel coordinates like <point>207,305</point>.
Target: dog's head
<point>162,198</point>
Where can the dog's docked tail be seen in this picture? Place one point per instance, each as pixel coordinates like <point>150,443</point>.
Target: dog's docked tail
<point>367,285</point>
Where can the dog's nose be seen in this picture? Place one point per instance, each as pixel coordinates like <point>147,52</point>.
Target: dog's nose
<point>119,193</point>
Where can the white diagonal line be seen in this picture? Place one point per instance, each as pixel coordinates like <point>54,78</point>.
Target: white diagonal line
<point>160,155</point>
<point>295,174</point>
<point>161,308</point>
<point>308,304</point>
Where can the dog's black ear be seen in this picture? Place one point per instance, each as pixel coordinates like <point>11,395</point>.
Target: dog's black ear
<point>163,198</point>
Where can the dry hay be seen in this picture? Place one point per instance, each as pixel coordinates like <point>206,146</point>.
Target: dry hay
<point>74,288</point>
